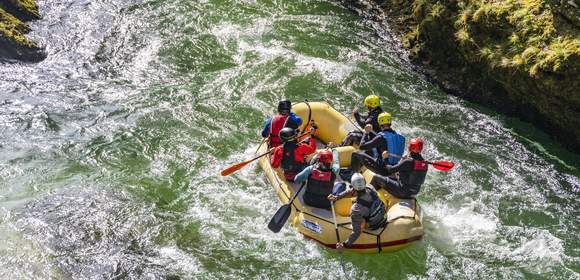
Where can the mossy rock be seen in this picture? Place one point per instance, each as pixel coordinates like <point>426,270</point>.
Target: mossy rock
<point>25,10</point>
<point>13,44</point>
<point>519,56</point>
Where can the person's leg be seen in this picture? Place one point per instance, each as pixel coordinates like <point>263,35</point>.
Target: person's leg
<point>390,185</point>
<point>361,158</point>
<point>338,188</point>
<point>351,138</point>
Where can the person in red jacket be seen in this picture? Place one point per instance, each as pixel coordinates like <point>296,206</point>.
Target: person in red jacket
<point>291,156</point>
<point>274,124</point>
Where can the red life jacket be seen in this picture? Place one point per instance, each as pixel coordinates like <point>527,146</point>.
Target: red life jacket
<point>320,182</point>
<point>278,122</point>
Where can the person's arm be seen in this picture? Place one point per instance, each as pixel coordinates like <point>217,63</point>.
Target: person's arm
<point>357,222</point>
<point>266,130</point>
<point>377,142</point>
<point>277,157</point>
<point>296,119</point>
<point>335,162</point>
<point>360,118</point>
<point>403,165</point>
<point>347,193</point>
<point>310,148</point>
<point>302,176</point>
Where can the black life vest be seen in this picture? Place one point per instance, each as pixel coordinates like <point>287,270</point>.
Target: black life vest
<point>320,182</point>
<point>414,179</point>
<point>376,207</point>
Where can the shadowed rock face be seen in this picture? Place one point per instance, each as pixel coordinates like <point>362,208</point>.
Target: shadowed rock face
<point>13,44</point>
<point>520,57</point>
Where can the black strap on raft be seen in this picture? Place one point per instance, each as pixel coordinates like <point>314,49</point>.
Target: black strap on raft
<point>309,114</point>
<point>379,236</point>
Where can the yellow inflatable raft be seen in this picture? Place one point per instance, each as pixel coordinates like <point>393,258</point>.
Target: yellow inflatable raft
<point>403,215</point>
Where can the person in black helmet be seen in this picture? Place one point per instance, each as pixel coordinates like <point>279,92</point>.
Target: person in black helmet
<point>284,118</point>
<point>291,156</point>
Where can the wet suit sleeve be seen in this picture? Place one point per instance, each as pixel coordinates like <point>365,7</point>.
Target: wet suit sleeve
<point>403,165</point>
<point>360,119</point>
<point>266,129</point>
<point>302,176</point>
<point>277,157</point>
<point>377,142</point>
<point>346,193</point>
<point>295,119</point>
<point>357,221</point>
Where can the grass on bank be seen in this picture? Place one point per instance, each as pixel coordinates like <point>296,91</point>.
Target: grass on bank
<point>521,34</point>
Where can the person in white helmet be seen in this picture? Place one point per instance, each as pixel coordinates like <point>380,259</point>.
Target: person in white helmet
<point>368,210</point>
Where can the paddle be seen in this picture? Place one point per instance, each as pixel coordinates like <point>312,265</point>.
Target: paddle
<point>281,216</point>
<point>337,235</point>
<point>240,165</point>
<point>440,165</point>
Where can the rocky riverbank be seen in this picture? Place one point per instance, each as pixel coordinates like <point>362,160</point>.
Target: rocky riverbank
<point>521,57</point>
<point>14,45</point>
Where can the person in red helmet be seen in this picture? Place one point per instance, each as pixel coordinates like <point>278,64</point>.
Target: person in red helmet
<point>291,156</point>
<point>321,177</point>
<point>274,124</point>
<point>412,172</point>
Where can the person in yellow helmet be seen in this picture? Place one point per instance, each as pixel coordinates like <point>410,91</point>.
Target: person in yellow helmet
<point>373,146</point>
<point>373,104</point>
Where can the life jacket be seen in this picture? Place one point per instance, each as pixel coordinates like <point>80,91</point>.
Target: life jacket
<point>289,163</point>
<point>320,182</point>
<point>278,122</point>
<point>395,146</point>
<point>376,207</point>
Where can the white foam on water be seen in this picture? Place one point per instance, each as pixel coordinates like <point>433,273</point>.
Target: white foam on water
<point>177,260</point>
<point>460,225</point>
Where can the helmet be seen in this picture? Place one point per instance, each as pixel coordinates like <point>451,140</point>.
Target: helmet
<point>325,156</point>
<point>384,118</point>
<point>358,182</point>
<point>284,105</point>
<point>372,101</point>
<point>416,145</point>
<point>287,133</point>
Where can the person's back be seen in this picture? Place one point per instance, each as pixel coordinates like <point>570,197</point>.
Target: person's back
<point>320,178</point>
<point>412,172</point>
<point>284,118</point>
<point>367,209</point>
<point>372,148</point>
<point>395,145</point>
<point>291,156</point>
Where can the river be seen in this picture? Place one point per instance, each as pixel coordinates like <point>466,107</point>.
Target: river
<point>110,150</point>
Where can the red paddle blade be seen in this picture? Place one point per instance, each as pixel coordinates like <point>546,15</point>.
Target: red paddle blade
<point>234,168</point>
<point>443,165</point>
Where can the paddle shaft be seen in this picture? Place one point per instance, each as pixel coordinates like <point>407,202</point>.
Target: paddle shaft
<point>337,236</point>
<point>240,165</point>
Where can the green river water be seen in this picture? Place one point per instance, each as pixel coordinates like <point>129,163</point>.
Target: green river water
<point>110,150</point>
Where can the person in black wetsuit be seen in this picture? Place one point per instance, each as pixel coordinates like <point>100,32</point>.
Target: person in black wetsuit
<point>412,173</point>
<point>372,102</point>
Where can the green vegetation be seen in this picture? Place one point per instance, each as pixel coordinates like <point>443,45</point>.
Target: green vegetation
<point>14,29</point>
<point>13,43</point>
<point>520,56</point>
